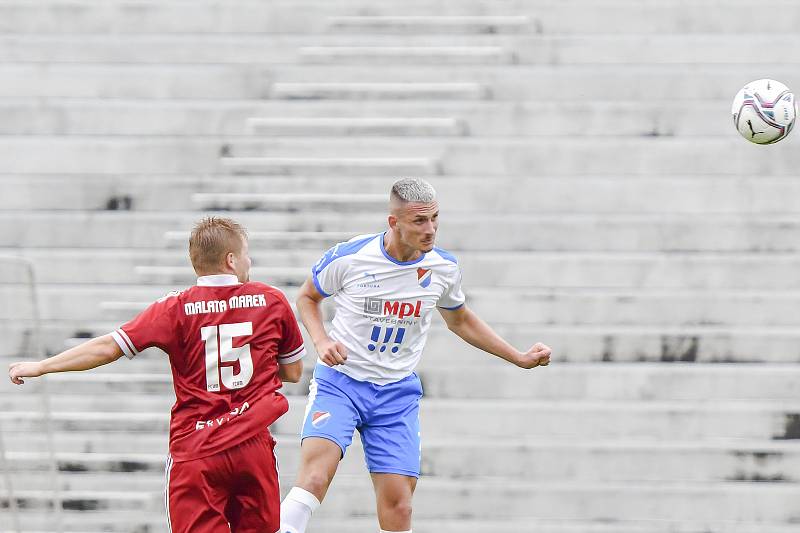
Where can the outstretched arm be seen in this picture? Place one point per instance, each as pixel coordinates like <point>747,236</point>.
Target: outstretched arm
<point>91,354</point>
<point>469,326</point>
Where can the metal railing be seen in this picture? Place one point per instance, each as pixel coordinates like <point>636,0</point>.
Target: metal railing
<point>37,352</point>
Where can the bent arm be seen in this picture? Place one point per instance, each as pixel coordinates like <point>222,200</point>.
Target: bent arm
<point>308,306</point>
<point>329,351</point>
<point>91,354</point>
<point>470,327</point>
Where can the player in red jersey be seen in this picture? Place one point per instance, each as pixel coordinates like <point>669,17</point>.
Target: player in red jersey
<point>231,342</point>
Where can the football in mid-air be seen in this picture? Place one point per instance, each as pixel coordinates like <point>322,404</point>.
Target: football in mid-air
<point>764,111</point>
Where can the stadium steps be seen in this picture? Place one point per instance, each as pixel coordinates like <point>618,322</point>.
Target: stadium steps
<point>642,233</point>
<point>298,81</point>
<point>392,49</point>
<point>132,81</point>
<point>278,276</point>
<point>599,156</point>
<point>544,61</point>
<point>155,522</point>
<point>584,19</point>
<point>573,344</point>
<point>436,24</point>
<point>551,419</point>
<point>366,90</point>
<point>603,461</point>
<point>503,500</point>
<point>617,382</point>
<point>208,16</point>
<point>457,156</point>
<point>683,194</point>
<point>519,305</point>
<point>353,166</point>
<point>193,117</point>
<point>357,126</point>
<point>406,54</point>
<point>762,271</point>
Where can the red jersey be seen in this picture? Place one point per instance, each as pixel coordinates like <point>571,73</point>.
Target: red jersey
<point>225,341</point>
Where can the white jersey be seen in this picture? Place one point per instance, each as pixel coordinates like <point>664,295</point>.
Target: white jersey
<point>384,307</point>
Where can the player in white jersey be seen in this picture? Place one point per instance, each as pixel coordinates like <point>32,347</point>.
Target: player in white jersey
<point>385,287</point>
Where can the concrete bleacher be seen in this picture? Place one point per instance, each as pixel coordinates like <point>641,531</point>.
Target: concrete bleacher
<point>591,184</point>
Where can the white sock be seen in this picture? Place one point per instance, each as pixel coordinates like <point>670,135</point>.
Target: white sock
<point>384,531</point>
<point>296,510</point>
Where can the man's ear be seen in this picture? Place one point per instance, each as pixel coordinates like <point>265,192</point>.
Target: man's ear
<point>392,221</point>
<point>230,260</point>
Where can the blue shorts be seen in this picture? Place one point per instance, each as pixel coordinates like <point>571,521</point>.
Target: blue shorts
<point>386,416</point>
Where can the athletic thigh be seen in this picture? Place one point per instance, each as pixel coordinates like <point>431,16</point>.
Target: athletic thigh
<point>255,499</point>
<point>332,412</point>
<point>391,433</point>
<point>196,496</point>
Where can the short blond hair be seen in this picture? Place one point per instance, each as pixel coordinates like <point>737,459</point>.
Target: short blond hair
<point>212,239</point>
<point>416,190</point>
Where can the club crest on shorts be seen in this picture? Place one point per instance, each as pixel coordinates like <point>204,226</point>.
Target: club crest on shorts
<point>320,418</point>
<point>424,276</point>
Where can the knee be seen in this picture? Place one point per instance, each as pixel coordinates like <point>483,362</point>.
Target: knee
<point>315,480</point>
<point>399,508</point>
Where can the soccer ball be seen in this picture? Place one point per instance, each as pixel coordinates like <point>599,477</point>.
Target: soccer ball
<point>764,111</point>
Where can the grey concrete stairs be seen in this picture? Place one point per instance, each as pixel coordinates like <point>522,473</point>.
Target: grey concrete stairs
<point>591,185</point>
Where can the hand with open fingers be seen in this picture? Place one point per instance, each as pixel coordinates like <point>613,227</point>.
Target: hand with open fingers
<point>331,352</point>
<point>538,355</point>
<point>23,369</point>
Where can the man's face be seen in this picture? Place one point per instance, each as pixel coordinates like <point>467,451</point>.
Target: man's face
<point>243,263</point>
<point>417,224</point>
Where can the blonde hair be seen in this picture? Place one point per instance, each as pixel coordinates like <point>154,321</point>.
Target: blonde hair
<point>212,239</point>
<point>412,190</point>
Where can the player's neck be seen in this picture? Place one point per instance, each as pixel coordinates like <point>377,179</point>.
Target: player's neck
<point>397,250</point>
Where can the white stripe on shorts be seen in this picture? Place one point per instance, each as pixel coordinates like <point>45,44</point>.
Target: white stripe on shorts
<point>167,472</point>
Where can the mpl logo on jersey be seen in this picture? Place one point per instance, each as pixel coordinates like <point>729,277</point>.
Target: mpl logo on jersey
<point>400,309</point>
<point>424,276</point>
<point>320,418</point>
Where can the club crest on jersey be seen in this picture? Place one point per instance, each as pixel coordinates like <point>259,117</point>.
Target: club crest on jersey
<point>424,276</point>
<point>320,418</point>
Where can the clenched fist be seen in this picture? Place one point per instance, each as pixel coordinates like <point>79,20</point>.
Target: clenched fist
<point>538,355</point>
<point>331,352</point>
<point>24,369</point>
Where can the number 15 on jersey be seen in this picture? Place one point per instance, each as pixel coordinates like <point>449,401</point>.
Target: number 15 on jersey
<point>219,349</point>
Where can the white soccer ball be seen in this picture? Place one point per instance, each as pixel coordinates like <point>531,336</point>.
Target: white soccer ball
<point>764,111</point>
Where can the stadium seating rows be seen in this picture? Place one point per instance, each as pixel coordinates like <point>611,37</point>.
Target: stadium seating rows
<point>591,185</point>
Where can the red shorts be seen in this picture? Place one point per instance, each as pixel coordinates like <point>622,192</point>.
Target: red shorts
<point>235,490</point>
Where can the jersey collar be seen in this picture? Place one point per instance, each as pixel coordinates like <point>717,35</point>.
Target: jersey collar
<point>395,261</point>
<point>217,280</point>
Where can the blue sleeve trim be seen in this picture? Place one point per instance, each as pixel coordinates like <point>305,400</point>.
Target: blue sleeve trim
<point>317,285</point>
<point>459,306</point>
<point>446,255</point>
<point>341,250</point>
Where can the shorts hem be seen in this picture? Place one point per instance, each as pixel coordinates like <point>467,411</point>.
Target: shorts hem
<point>326,437</point>
<point>399,471</point>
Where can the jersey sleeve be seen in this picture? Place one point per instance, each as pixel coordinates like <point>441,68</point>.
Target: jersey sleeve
<point>453,297</point>
<point>290,347</point>
<point>327,273</point>
<point>155,326</point>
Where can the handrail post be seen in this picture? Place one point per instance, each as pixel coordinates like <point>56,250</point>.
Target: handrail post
<point>38,351</point>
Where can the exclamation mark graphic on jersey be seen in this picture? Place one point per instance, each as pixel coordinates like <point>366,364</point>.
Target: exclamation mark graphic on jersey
<point>386,338</point>
<point>376,334</point>
<point>398,339</point>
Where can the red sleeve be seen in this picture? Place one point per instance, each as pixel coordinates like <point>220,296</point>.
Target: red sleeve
<point>155,326</point>
<point>291,347</point>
